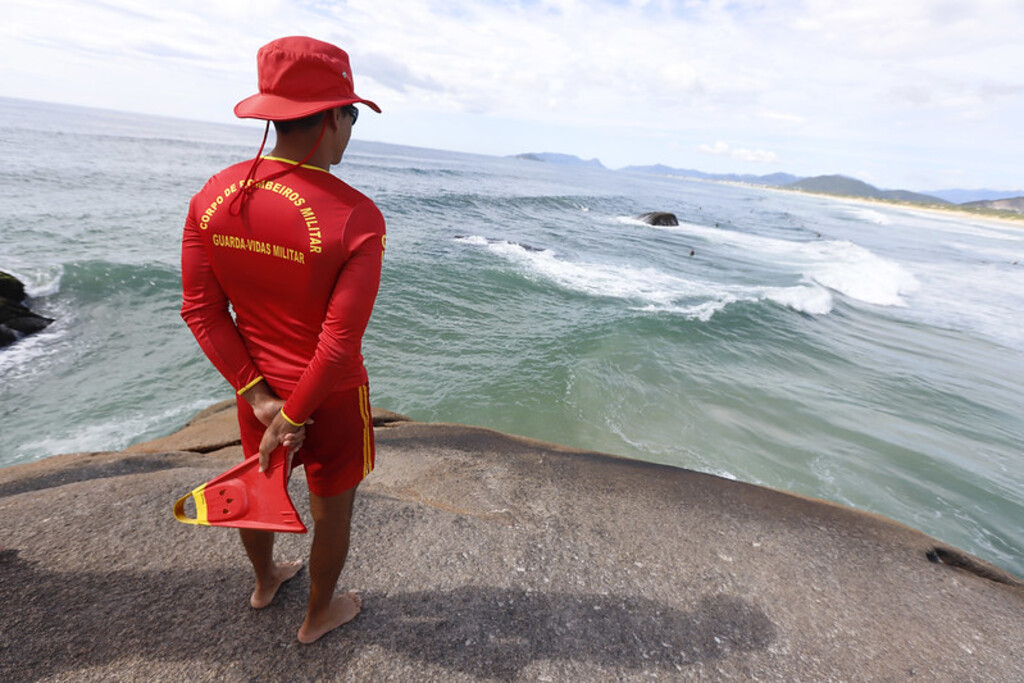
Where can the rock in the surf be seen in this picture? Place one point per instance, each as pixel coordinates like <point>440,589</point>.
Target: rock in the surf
<point>658,218</point>
<point>16,321</point>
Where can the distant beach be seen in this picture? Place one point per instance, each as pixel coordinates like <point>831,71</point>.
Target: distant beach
<point>952,210</point>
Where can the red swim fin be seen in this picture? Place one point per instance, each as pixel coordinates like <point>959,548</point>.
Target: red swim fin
<point>245,498</point>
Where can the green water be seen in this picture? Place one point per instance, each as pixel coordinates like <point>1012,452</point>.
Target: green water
<point>867,355</point>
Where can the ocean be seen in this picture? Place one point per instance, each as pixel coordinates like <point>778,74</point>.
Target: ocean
<point>866,354</point>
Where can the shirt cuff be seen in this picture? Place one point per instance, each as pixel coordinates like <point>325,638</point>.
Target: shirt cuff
<point>250,385</point>
<point>290,421</point>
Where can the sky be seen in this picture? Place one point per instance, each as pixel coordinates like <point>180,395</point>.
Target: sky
<point>903,94</point>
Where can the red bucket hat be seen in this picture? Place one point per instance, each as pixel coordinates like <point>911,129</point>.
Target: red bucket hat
<point>299,77</point>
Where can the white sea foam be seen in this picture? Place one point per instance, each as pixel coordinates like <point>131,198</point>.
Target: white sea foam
<point>27,356</point>
<point>109,434</point>
<point>839,265</point>
<point>40,282</point>
<point>991,305</point>
<point>870,215</point>
<point>858,273</point>
<point>935,292</point>
<point>718,472</point>
<point>472,239</point>
<point>963,225</point>
<point>599,279</point>
<point>37,353</point>
<point>650,288</point>
<point>990,254</point>
<point>702,311</point>
<point>806,299</point>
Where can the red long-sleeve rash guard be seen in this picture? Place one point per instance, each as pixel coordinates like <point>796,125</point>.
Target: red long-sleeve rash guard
<point>300,267</point>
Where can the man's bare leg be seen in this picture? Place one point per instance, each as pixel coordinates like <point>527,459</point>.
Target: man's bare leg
<point>259,545</point>
<point>332,522</point>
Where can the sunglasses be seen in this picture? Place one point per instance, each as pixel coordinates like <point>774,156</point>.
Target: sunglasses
<point>351,110</point>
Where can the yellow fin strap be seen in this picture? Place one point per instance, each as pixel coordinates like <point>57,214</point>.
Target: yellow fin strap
<point>179,508</point>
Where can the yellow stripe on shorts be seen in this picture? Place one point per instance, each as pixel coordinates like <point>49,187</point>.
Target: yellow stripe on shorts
<point>364,410</point>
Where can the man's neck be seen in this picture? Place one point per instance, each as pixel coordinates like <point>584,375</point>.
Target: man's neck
<point>295,147</point>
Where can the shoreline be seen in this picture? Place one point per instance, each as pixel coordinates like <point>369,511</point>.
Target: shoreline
<point>951,211</point>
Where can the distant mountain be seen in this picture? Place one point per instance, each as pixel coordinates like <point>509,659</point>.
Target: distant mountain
<point>562,159</point>
<point>850,187</point>
<point>834,184</point>
<point>1015,204</point>
<point>772,179</point>
<point>837,185</point>
<point>775,179</point>
<point>662,169</point>
<point>963,196</point>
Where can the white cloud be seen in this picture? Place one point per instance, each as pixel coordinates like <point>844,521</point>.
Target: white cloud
<point>817,79</point>
<point>782,117</point>
<point>760,156</point>
<point>718,149</point>
<point>723,149</point>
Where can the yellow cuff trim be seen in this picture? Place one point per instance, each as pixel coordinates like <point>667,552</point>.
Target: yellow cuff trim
<point>250,385</point>
<point>290,421</point>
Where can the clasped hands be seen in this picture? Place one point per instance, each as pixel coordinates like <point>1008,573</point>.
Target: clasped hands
<point>280,432</point>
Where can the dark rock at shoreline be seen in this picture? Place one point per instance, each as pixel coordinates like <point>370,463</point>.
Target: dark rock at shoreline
<point>658,218</point>
<point>16,320</point>
<point>482,556</point>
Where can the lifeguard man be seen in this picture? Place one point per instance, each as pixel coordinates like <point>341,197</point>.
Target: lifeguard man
<point>296,253</point>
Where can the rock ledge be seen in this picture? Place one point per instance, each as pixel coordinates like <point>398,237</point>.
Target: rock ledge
<point>487,557</point>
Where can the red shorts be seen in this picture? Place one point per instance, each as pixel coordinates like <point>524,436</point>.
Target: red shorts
<point>338,451</point>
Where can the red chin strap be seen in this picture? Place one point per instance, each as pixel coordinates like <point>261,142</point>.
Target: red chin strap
<point>250,184</point>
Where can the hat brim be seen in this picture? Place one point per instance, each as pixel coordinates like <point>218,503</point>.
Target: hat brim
<point>277,108</point>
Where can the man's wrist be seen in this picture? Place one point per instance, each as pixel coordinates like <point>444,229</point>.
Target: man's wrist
<point>290,421</point>
<point>247,389</point>
<point>257,392</point>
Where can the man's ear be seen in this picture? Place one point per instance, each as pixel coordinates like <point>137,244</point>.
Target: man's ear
<point>333,117</point>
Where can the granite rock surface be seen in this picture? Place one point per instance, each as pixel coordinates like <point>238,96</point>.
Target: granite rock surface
<point>482,556</point>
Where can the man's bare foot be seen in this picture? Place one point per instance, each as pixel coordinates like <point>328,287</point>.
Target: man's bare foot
<point>343,609</point>
<point>264,593</point>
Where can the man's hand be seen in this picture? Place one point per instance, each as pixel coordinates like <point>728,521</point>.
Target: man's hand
<point>280,432</point>
<point>267,408</point>
<point>264,402</point>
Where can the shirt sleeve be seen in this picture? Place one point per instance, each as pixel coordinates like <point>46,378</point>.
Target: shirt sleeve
<point>204,308</point>
<point>348,313</point>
